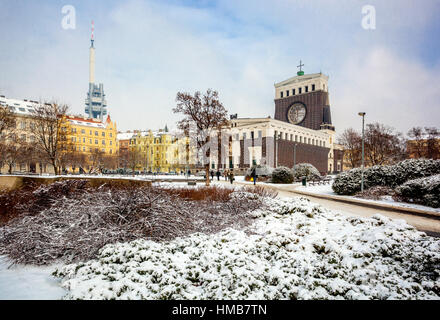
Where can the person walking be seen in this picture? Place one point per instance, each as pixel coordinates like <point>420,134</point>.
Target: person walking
<point>212,175</point>
<point>226,174</point>
<point>231,177</point>
<point>254,175</point>
<point>218,175</point>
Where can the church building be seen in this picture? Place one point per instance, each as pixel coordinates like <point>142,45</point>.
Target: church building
<point>300,132</point>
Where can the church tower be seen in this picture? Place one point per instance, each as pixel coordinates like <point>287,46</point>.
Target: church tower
<point>96,105</point>
<point>303,100</point>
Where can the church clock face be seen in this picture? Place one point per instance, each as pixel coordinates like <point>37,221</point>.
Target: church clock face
<point>296,113</point>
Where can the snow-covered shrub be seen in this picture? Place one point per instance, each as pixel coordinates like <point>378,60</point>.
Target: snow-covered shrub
<point>297,250</point>
<point>282,175</point>
<point>425,191</point>
<point>305,170</point>
<point>74,224</point>
<point>375,193</point>
<point>349,182</point>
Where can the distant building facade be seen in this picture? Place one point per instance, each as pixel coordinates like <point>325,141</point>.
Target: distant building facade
<point>84,137</point>
<point>301,131</point>
<point>423,148</point>
<point>155,151</point>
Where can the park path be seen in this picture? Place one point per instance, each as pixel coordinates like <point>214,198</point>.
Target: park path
<point>430,225</point>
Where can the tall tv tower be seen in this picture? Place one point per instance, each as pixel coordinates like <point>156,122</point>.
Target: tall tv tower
<point>96,105</point>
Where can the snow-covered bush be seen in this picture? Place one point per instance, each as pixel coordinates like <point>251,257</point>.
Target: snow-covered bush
<point>282,175</point>
<point>296,250</point>
<point>376,193</point>
<point>77,220</point>
<point>349,182</point>
<point>305,170</point>
<point>425,191</point>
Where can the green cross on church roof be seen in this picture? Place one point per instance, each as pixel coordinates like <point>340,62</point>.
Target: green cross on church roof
<point>300,72</point>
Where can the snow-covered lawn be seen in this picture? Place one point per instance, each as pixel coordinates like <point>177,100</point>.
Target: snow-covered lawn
<point>28,282</point>
<point>295,250</point>
<point>327,190</point>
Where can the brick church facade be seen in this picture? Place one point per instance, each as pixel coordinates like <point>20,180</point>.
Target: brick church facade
<point>300,132</point>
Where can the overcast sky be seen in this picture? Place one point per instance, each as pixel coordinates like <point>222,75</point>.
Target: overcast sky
<point>147,51</point>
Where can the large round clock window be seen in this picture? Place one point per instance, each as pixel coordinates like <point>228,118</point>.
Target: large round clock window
<point>296,113</point>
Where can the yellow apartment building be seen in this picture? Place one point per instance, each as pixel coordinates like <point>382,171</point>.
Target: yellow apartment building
<point>90,136</point>
<point>160,151</point>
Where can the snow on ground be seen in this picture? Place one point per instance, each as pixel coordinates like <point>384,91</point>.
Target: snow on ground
<point>28,282</point>
<point>319,189</point>
<point>327,190</point>
<point>295,250</point>
<point>116,176</point>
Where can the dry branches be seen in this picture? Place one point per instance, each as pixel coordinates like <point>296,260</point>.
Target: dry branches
<point>70,220</point>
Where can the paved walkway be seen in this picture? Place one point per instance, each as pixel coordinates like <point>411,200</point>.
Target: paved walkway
<point>430,225</point>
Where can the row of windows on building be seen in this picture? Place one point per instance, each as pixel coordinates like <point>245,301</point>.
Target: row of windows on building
<point>287,136</point>
<point>73,139</point>
<point>158,149</point>
<point>299,90</point>
<point>74,148</point>
<point>300,139</point>
<point>23,138</point>
<point>23,125</point>
<point>83,131</point>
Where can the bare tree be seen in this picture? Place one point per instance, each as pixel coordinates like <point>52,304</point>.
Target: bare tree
<point>203,115</point>
<point>96,161</point>
<point>109,162</point>
<point>17,151</point>
<point>51,131</point>
<point>415,145</point>
<point>123,159</point>
<point>134,158</point>
<point>7,128</point>
<point>432,143</point>
<point>382,144</point>
<point>7,122</point>
<point>352,142</point>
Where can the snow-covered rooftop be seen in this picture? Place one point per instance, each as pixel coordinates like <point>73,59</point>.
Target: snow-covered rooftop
<point>25,107</point>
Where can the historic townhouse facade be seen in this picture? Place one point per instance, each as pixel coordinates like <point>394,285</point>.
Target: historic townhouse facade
<point>157,151</point>
<point>89,135</point>
<point>22,134</point>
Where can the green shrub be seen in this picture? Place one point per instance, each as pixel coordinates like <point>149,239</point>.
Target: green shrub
<point>424,191</point>
<point>282,175</point>
<point>349,182</point>
<point>305,170</point>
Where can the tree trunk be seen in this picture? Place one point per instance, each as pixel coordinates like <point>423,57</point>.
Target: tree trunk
<point>207,174</point>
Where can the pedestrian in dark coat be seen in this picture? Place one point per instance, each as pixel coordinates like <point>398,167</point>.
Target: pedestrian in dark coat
<point>218,175</point>
<point>212,175</point>
<point>231,177</point>
<point>254,175</point>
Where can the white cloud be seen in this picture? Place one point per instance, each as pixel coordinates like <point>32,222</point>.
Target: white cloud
<point>392,90</point>
<point>146,51</point>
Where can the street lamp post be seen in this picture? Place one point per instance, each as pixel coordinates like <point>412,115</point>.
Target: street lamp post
<point>362,114</point>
